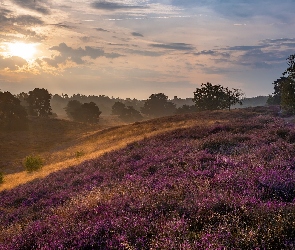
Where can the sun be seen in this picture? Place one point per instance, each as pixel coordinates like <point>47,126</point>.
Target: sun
<point>23,50</point>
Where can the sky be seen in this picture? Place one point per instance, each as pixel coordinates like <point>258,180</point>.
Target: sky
<point>134,48</point>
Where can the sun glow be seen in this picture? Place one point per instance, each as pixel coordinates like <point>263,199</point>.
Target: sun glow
<point>23,50</point>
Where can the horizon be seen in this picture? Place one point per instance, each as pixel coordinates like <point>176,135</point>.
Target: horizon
<point>132,49</point>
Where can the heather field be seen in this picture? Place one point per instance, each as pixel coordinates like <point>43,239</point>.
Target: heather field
<point>224,184</point>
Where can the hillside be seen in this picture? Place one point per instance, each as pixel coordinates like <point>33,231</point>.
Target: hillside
<point>59,141</point>
<point>212,180</point>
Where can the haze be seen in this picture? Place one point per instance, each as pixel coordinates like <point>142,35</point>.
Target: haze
<point>133,48</point>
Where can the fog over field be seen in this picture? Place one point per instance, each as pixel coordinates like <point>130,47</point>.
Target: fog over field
<point>137,47</point>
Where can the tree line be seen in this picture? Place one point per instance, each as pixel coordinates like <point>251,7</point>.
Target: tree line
<point>14,109</point>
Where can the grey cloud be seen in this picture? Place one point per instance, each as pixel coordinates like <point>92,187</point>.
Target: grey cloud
<point>286,42</point>
<point>173,46</point>
<point>104,5</point>
<point>36,5</point>
<point>61,25</point>
<point>205,52</point>
<point>85,39</point>
<point>243,9</point>
<point>7,19</point>
<point>280,40</point>
<point>246,48</point>
<point>11,24</point>
<point>136,34</point>
<point>76,55</point>
<point>28,20</point>
<point>143,52</point>
<point>12,63</point>
<point>101,29</point>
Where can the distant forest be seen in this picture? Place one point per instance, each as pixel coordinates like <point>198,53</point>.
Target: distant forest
<point>105,103</point>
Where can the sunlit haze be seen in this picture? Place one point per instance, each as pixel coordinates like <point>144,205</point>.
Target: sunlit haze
<point>136,48</point>
<point>23,50</point>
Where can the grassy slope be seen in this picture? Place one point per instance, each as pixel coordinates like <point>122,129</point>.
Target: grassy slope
<point>57,141</point>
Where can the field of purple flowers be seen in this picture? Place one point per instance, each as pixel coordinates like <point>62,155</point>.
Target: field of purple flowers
<point>230,185</point>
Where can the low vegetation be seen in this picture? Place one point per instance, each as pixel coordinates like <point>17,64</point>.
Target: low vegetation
<point>228,184</point>
<point>33,163</point>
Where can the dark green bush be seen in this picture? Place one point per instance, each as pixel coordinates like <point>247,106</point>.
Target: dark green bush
<point>33,163</point>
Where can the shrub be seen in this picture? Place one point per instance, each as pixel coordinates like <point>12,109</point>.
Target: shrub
<point>79,153</point>
<point>33,163</point>
<point>1,177</point>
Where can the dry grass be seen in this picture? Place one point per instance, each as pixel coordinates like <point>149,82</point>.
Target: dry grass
<point>58,141</point>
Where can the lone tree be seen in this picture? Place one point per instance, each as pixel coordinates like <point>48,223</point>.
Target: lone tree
<point>215,97</point>
<point>39,102</point>
<point>86,112</point>
<point>158,105</point>
<point>127,114</point>
<point>12,114</point>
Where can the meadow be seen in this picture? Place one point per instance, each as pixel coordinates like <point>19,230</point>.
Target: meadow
<point>211,180</point>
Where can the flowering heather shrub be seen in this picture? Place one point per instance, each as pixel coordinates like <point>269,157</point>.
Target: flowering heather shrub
<point>225,186</point>
<point>33,163</point>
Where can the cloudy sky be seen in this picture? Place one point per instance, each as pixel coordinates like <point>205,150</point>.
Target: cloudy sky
<point>133,48</point>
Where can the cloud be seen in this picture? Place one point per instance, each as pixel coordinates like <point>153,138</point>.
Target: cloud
<point>143,52</point>
<point>16,26</point>
<point>61,25</point>
<point>104,5</point>
<point>173,46</point>
<point>8,19</point>
<point>101,29</point>
<point>38,6</point>
<point>246,48</point>
<point>136,34</point>
<point>12,63</point>
<point>205,52</point>
<point>28,20</point>
<point>76,55</point>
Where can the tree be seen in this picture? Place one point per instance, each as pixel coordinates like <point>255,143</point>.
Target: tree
<point>12,114</point>
<point>275,98</point>
<point>215,97</point>
<point>118,108</point>
<point>290,71</point>
<point>90,112</point>
<point>185,109</point>
<point>127,114</point>
<point>284,88</point>
<point>86,112</point>
<point>39,102</point>
<point>233,96</point>
<point>288,86</point>
<point>158,105</point>
<point>288,95</point>
<point>73,109</point>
